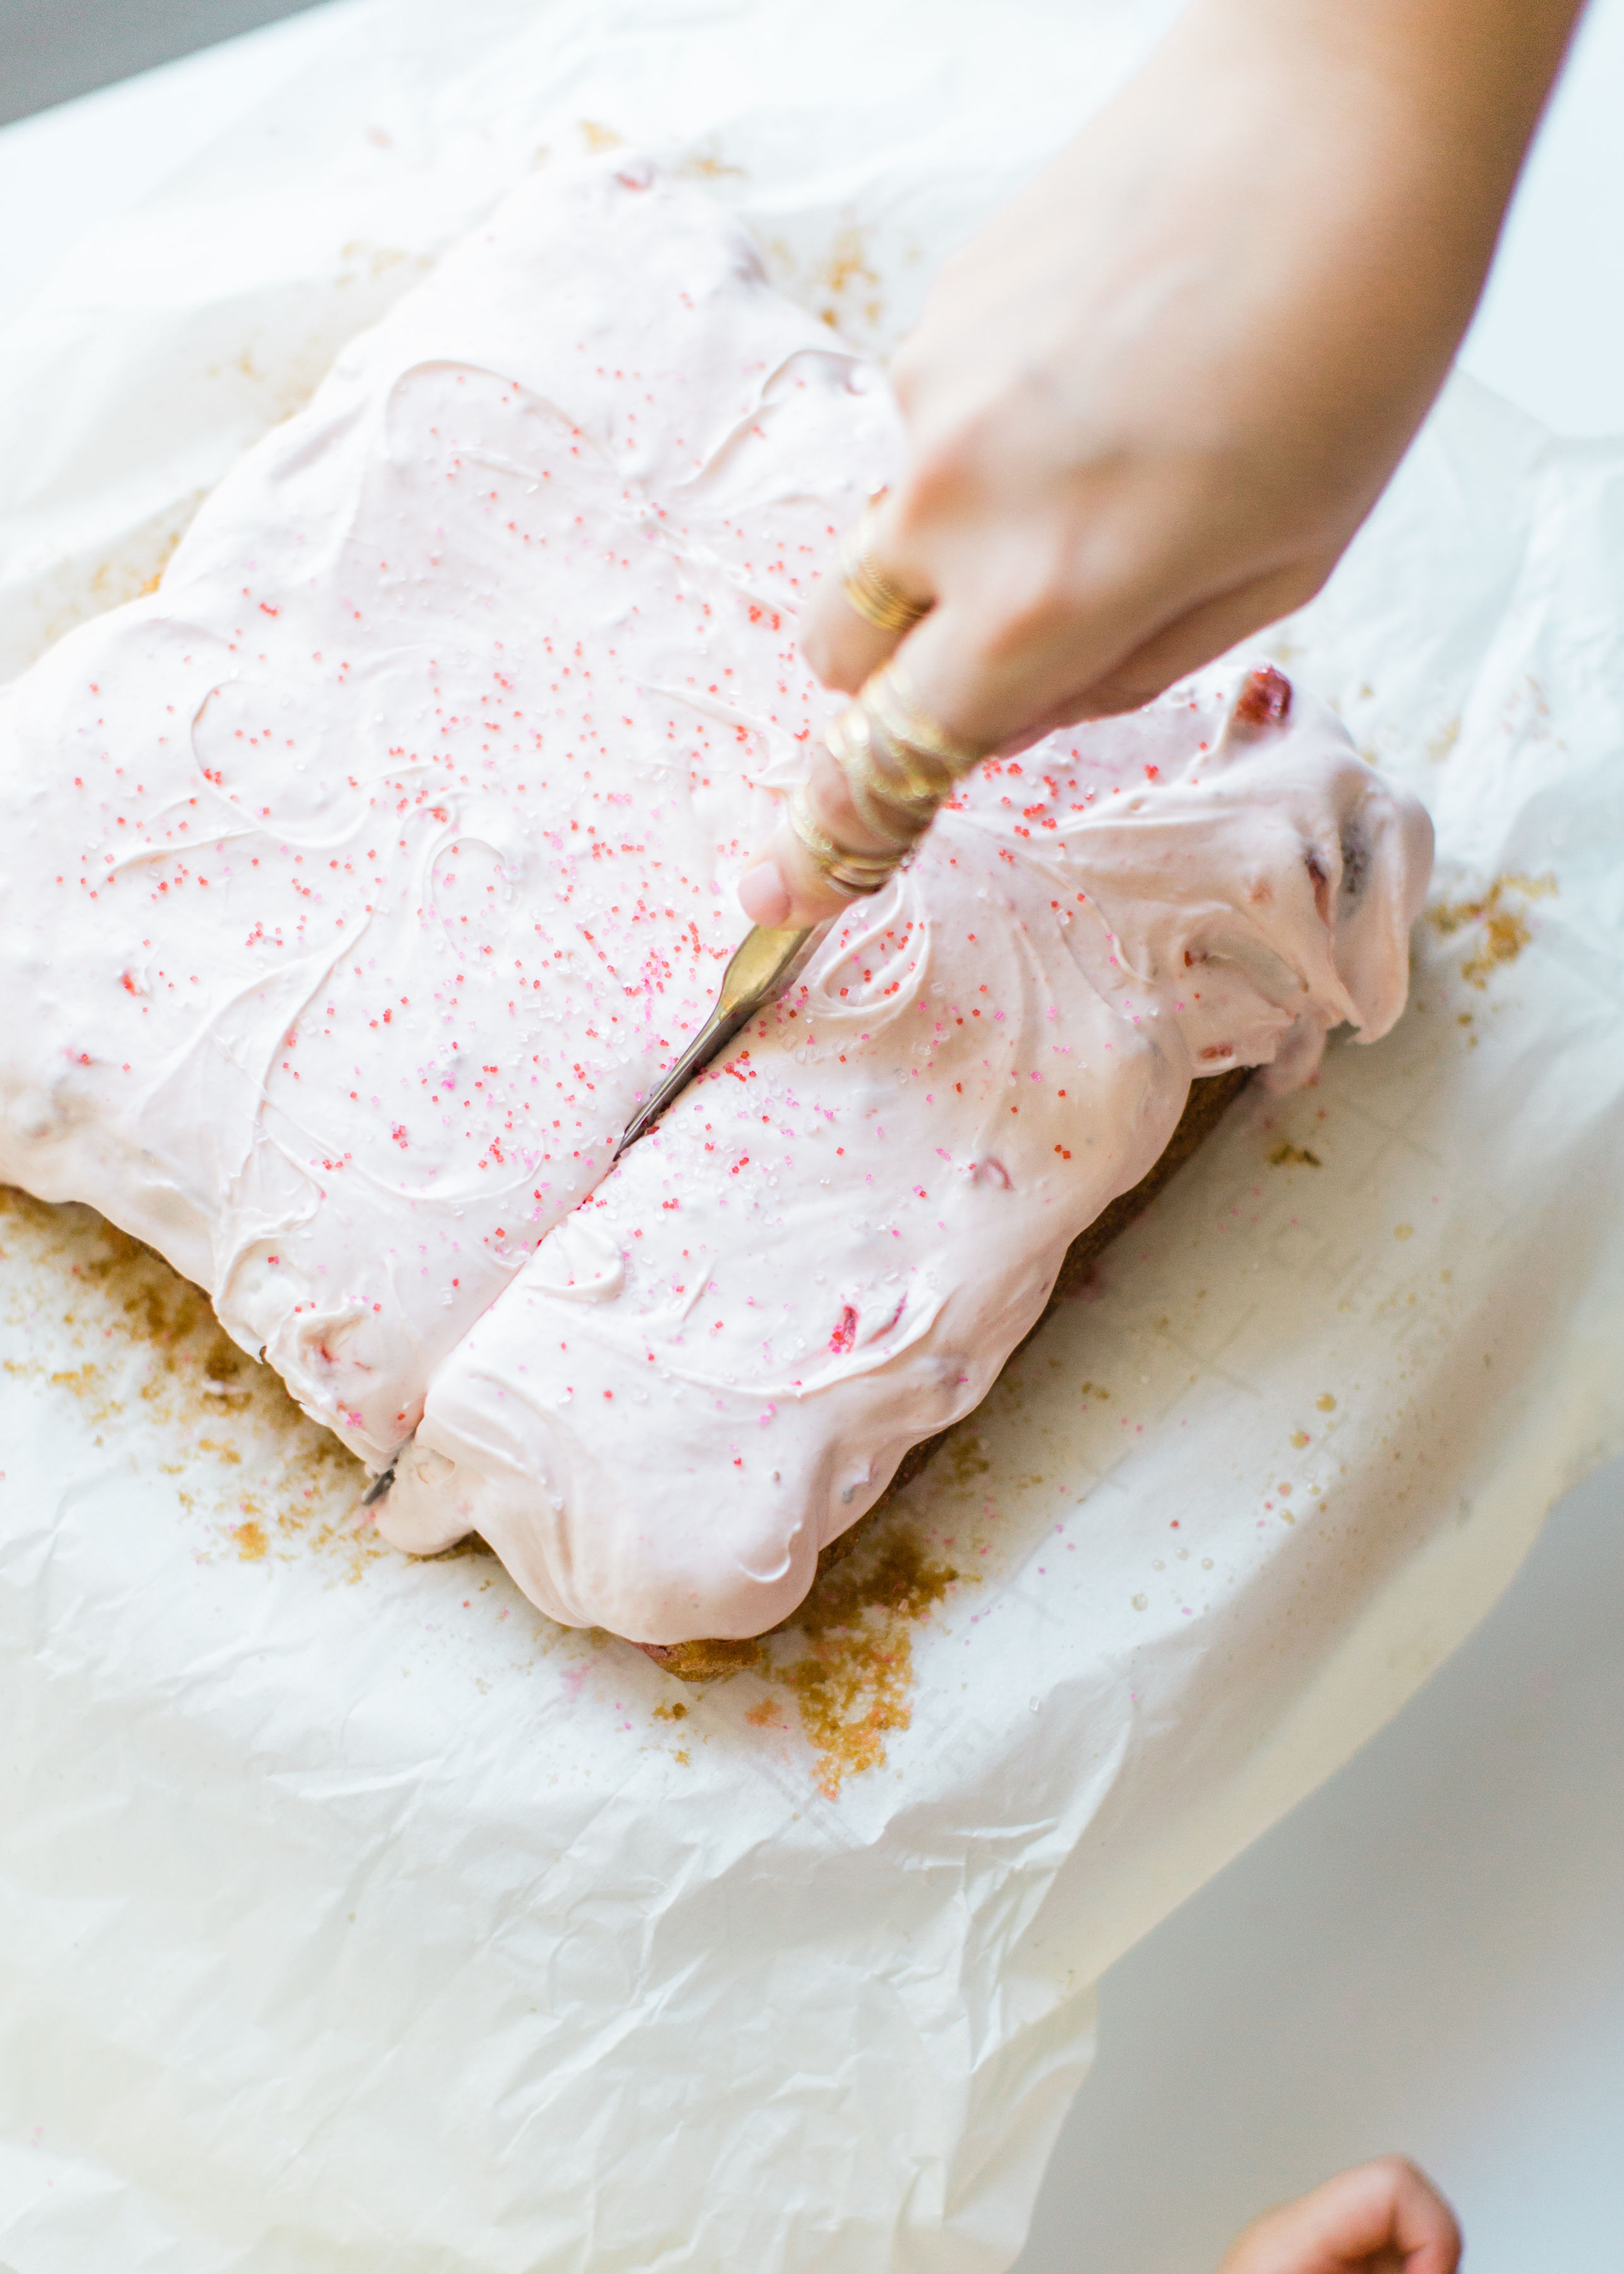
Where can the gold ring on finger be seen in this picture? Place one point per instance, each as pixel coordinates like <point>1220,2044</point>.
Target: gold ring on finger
<point>856,874</point>
<point>890,701</point>
<point>868,591</point>
<point>899,765</point>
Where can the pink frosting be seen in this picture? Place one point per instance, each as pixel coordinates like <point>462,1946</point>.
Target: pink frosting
<point>363,878</point>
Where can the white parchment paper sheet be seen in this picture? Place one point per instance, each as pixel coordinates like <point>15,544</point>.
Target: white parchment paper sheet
<point>350,1916</point>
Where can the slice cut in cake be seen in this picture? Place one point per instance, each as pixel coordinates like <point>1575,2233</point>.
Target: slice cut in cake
<point>367,875</point>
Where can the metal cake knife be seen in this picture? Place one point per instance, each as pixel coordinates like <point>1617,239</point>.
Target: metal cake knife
<point>764,963</point>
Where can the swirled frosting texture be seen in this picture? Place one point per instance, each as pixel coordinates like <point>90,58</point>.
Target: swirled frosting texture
<point>364,877</point>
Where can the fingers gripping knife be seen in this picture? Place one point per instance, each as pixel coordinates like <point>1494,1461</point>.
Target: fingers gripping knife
<point>899,767</point>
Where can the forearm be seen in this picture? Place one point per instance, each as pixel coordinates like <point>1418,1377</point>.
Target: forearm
<point>1341,170</point>
<point>1479,69</point>
<point>1433,101</point>
<point>1150,401</point>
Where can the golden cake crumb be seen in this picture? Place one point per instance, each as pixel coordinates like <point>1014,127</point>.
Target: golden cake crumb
<point>1506,933</point>
<point>148,1341</point>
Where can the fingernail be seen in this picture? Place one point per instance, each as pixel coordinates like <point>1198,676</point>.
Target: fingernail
<point>762,897</point>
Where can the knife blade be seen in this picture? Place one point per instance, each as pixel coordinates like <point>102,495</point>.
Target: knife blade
<point>764,964</point>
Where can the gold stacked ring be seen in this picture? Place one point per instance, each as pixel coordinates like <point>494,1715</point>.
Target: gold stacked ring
<point>892,702</point>
<point>856,874</point>
<point>899,766</point>
<point>868,589</point>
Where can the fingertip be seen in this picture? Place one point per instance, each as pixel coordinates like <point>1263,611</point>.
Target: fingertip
<point>763,897</point>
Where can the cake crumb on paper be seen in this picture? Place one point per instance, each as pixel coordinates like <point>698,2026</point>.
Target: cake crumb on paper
<point>852,1681</point>
<point>842,1667</point>
<point>1506,932</point>
<point>108,1320</point>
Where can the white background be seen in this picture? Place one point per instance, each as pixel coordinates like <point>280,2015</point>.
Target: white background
<point>1430,1952</point>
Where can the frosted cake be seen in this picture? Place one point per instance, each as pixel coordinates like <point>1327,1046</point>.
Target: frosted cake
<point>366,876</point>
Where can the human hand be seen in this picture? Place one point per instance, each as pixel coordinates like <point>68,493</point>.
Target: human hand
<point>1148,405</point>
<point>1385,2217</point>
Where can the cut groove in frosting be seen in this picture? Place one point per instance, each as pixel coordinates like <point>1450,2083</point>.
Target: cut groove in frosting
<point>367,875</point>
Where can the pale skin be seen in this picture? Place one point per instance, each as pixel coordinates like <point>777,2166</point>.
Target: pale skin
<point>1384,2217</point>
<point>1148,405</point>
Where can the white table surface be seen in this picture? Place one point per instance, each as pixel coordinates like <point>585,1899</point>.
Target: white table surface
<point>1430,1952</point>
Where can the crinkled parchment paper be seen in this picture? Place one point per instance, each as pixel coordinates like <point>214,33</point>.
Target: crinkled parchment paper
<point>352,1917</point>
